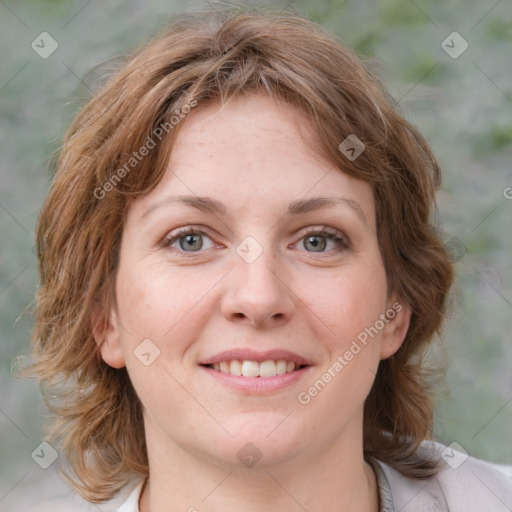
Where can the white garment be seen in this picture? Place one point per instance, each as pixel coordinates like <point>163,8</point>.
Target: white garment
<point>474,486</point>
<point>132,503</point>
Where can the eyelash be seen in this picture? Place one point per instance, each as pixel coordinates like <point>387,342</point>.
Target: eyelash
<point>190,230</point>
<point>329,233</point>
<point>325,232</point>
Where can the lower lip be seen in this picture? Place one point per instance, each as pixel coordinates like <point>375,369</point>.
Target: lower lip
<point>257,385</point>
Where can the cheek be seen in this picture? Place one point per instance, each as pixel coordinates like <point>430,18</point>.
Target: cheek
<point>347,310</point>
<point>348,303</point>
<point>167,307</point>
<point>164,304</point>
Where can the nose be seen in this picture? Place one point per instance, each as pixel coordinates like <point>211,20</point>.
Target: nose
<point>258,293</point>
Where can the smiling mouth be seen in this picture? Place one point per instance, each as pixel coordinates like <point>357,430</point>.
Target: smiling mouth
<point>247,368</point>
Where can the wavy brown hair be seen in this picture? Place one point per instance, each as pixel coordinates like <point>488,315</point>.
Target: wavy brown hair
<point>202,57</point>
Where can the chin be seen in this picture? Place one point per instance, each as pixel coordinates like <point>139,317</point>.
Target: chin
<point>261,440</point>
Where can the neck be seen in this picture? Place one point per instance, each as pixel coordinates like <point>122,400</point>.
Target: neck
<point>332,480</point>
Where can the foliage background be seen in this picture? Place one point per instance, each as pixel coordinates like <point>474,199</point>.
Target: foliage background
<point>463,106</point>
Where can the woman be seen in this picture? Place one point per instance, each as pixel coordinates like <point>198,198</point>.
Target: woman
<point>239,281</point>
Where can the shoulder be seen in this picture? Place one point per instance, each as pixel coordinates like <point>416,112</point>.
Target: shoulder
<point>464,484</point>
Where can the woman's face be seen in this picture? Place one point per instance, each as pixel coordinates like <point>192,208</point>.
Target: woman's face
<point>251,293</point>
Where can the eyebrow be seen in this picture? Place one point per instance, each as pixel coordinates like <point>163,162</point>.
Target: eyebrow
<point>298,207</point>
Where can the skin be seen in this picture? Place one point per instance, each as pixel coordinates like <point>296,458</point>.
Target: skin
<point>251,156</point>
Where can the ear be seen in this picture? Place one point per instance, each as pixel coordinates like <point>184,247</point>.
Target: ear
<point>105,329</point>
<point>398,315</point>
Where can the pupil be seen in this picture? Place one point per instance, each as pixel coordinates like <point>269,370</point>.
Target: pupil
<point>317,242</point>
<point>192,242</point>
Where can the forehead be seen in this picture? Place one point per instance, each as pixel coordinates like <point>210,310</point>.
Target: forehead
<point>252,152</point>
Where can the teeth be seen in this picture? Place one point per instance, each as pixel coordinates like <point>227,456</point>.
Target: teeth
<point>280,367</point>
<point>250,369</point>
<point>235,368</point>
<point>247,368</point>
<point>268,369</point>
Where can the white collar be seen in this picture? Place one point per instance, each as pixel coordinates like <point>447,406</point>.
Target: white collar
<point>132,503</point>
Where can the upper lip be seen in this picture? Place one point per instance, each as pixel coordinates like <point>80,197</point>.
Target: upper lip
<point>253,355</point>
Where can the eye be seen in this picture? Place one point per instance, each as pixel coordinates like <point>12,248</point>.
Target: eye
<point>188,240</point>
<point>323,240</point>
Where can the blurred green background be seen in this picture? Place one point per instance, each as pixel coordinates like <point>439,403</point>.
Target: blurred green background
<point>463,106</point>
